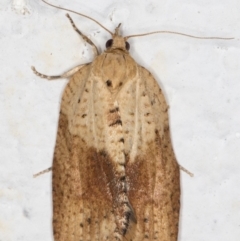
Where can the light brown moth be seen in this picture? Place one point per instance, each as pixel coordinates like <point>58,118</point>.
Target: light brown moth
<point>115,175</point>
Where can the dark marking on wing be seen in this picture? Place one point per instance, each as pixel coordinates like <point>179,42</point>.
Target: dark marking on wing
<point>117,122</point>
<point>114,110</point>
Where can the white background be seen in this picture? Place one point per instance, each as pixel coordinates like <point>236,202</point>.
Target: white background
<point>200,78</point>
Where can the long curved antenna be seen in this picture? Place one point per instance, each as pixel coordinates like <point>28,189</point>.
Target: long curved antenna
<point>171,32</point>
<point>79,14</point>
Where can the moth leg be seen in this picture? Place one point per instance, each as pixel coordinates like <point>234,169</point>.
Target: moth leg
<point>67,74</point>
<point>185,170</point>
<point>42,172</point>
<point>85,38</point>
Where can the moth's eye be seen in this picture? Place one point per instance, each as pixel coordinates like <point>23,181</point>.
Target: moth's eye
<point>127,45</point>
<point>109,43</point>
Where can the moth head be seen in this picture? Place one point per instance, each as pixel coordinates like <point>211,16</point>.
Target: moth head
<point>117,41</point>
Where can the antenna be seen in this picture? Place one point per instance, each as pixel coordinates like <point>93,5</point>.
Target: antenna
<point>83,15</point>
<point>177,33</point>
<point>137,35</point>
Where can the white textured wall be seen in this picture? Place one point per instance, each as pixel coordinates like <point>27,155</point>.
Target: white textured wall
<point>201,79</point>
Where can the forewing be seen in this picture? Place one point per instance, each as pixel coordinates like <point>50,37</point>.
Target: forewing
<point>152,170</point>
<point>82,207</point>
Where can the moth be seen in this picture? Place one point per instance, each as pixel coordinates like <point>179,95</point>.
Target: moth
<point>115,175</point>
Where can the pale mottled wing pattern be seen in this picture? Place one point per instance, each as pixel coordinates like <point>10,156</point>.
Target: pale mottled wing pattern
<point>115,176</point>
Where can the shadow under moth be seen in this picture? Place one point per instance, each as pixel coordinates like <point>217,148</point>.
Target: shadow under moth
<point>114,173</point>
